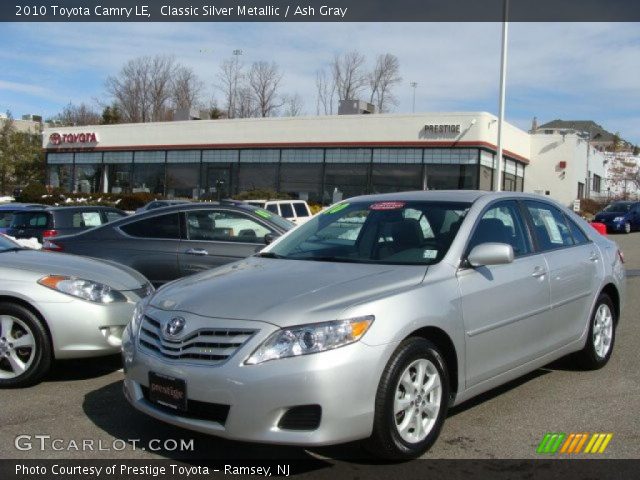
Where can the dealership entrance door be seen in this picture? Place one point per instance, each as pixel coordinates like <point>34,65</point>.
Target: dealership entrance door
<point>217,182</point>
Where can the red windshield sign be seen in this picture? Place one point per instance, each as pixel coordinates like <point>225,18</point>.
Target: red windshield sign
<point>387,206</point>
<point>71,138</point>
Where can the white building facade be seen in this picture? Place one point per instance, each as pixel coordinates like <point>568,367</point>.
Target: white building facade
<point>313,158</point>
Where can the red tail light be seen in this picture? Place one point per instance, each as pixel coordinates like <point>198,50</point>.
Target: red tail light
<point>51,246</point>
<point>49,233</point>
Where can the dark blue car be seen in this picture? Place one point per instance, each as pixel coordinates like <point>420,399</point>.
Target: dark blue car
<point>7,211</point>
<point>620,216</point>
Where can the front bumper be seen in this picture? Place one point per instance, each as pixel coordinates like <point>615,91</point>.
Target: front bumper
<point>82,329</point>
<point>343,382</point>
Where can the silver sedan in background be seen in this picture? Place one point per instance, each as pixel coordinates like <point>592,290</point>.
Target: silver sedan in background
<point>374,317</point>
<point>58,306</point>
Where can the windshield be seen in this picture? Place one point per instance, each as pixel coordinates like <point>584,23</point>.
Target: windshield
<point>399,233</point>
<point>7,244</point>
<point>280,222</point>
<point>620,207</point>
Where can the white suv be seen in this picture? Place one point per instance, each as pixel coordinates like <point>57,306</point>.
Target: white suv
<point>296,211</point>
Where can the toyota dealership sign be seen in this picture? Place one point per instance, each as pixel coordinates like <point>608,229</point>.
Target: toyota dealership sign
<point>58,139</point>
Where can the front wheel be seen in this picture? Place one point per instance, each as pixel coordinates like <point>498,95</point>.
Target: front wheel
<point>602,335</point>
<point>411,402</point>
<point>627,227</point>
<point>25,349</point>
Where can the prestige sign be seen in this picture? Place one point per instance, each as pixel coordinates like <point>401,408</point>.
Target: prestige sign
<point>442,129</point>
<point>72,138</point>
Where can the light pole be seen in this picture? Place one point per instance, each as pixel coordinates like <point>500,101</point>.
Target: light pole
<point>503,83</point>
<point>232,103</point>
<point>414,85</point>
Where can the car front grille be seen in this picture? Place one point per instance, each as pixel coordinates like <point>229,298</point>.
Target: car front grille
<point>207,346</point>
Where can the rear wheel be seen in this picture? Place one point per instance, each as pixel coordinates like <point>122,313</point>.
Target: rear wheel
<point>25,349</point>
<point>602,334</point>
<point>411,402</point>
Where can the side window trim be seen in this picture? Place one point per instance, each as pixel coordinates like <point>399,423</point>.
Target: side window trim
<point>185,236</point>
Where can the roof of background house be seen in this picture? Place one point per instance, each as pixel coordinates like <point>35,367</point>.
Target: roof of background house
<point>597,132</point>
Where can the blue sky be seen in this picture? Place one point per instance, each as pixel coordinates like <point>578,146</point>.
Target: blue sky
<point>569,71</point>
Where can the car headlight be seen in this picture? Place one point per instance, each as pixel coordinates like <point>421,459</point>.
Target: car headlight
<point>84,289</point>
<point>618,219</point>
<point>136,318</point>
<point>311,338</point>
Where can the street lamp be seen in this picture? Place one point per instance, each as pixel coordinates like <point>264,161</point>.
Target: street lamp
<point>414,85</point>
<point>503,83</point>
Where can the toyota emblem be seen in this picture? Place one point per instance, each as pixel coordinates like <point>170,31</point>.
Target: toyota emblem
<point>174,326</point>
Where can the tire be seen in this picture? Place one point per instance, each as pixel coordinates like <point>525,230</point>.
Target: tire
<point>389,440</point>
<point>597,352</point>
<point>34,354</point>
<point>627,227</point>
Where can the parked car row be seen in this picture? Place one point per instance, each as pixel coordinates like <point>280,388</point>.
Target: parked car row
<point>439,296</point>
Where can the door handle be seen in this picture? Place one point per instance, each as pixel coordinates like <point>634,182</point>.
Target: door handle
<point>538,272</point>
<point>593,257</point>
<point>197,251</point>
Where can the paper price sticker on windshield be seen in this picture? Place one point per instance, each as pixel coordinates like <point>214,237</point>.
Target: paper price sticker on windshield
<point>387,206</point>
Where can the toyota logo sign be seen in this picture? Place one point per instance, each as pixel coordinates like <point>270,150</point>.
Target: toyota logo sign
<point>71,138</point>
<point>174,326</point>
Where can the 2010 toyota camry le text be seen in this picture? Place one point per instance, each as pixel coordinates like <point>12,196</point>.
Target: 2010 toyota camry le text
<point>372,319</point>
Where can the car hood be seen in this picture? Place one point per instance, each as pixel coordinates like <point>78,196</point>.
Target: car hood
<point>606,216</point>
<point>52,263</point>
<point>284,292</point>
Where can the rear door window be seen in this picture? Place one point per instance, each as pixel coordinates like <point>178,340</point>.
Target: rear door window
<point>286,210</point>
<point>224,226</point>
<point>549,225</point>
<point>112,216</point>
<point>86,219</point>
<point>273,208</point>
<point>160,227</point>
<point>301,210</point>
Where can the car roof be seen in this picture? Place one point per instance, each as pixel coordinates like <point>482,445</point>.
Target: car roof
<point>20,206</point>
<point>46,208</point>
<point>232,204</point>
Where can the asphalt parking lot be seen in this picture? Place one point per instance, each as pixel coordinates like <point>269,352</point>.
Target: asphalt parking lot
<point>82,400</point>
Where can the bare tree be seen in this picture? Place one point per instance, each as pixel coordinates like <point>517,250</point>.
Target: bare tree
<point>349,75</point>
<point>264,80</point>
<point>245,105</point>
<point>385,75</point>
<point>78,115</point>
<point>143,88</point>
<point>186,88</point>
<point>293,105</point>
<point>229,78</point>
<point>326,91</point>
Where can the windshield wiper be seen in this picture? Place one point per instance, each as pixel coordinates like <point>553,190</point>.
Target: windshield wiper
<point>330,259</point>
<point>268,255</point>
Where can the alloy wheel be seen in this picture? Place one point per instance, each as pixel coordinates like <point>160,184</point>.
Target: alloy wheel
<point>602,330</point>
<point>627,227</point>
<point>17,347</point>
<point>417,400</point>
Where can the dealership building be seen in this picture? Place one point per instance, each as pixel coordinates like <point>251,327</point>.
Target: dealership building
<point>320,159</point>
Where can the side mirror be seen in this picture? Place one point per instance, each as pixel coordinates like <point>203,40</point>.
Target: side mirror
<point>490,254</point>
<point>269,238</point>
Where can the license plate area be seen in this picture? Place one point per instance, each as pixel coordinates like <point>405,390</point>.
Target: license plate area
<point>168,391</point>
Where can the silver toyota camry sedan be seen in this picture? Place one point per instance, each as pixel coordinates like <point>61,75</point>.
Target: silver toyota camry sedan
<point>373,318</point>
<point>57,306</point>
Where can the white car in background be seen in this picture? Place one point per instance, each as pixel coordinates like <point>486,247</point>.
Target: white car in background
<point>296,211</point>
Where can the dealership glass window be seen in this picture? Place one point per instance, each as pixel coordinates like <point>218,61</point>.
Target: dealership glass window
<point>395,178</point>
<point>60,176</point>
<point>88,178</point>
<point>344,181</point>
<point>487,158</point>
<point>451,155</point>
<point>397,155</point>
<point>183,180</point>
<point>486,178</point>
<point>451,177</point>
<point>508,182</point>
<point>580,190</point>
<point>302,155</point>
<point>302,180</point>
<point>259,156</point>
<point>257,176</point>
<point>348,155</point>
<point>219,156</point>
<point>148,172</point>
<point>117,166</point>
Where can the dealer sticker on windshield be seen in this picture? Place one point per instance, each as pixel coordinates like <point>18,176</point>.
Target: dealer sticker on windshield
<point>263,213</point>
<point>387,205</point>
<point>337,208</point>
